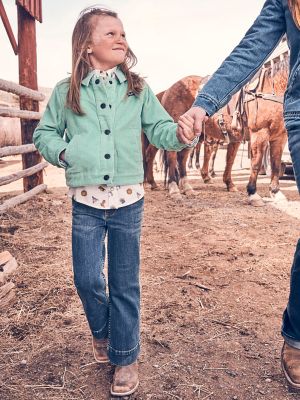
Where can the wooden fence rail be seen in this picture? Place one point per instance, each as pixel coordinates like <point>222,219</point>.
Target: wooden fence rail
<point>16,113</point>
<point>24,149</point>
<point>20,90</point>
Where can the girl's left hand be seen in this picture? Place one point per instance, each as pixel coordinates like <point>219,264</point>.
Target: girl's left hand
<point>185,129</point>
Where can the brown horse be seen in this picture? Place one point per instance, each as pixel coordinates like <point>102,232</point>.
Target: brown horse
<point>264,109</point>
<point>262,124</point>
<point>176,100</point>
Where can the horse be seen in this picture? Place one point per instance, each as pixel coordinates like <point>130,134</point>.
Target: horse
<point>263,104</point>
<point>261,122</point>
<point>176,100</point>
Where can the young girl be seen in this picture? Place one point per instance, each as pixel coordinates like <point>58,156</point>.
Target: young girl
<point>92,128</point>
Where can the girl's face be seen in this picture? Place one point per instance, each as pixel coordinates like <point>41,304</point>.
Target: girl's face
<point>108,46</point>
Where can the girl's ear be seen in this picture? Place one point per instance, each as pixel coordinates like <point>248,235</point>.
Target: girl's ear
<point>89,50</point>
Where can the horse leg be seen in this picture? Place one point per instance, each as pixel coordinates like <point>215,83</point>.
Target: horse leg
<point>232,150</point>
<point>197,150</point>
<point>148,165</point>
<point>190,163</point>
<point>276,150</point>
<point>185,187</point>
<point>174,192</point>
<point>211,166</point>
<point>204,170</point>
<point>258,144</point>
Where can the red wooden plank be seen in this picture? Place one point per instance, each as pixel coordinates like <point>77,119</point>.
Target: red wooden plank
<point>8,28</point>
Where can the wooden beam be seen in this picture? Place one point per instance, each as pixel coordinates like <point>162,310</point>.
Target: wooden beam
<point>28,78</point>
<point>12,87</point>
<point>14,150</point>
<point>8,29</point>
<point>5,180</point>
<point>15,201</point>
<point>16,113</point>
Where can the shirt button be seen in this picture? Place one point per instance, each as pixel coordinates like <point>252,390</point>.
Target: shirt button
<point>107,131</point>
<point>110,82</point>
<point>107,156</point>
<point>102,105</point>
<point>106,177</point>
<point>97,81</point>
<point>109,105</point>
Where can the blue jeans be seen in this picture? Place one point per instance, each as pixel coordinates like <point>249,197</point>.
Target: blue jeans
<point>114,315</point>
<point>291,316</point>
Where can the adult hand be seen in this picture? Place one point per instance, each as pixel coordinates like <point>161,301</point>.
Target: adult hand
<point>199,116</point>
<point>185,129</point>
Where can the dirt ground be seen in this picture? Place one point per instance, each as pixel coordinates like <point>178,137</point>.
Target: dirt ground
<point>215,281</point>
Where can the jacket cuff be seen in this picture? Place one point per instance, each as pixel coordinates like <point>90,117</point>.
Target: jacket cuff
<point>207,103</point>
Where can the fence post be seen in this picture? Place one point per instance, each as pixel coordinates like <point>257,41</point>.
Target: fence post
<point>28,78</point>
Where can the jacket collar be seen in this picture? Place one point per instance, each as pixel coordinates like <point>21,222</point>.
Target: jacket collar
<point>119,75</point>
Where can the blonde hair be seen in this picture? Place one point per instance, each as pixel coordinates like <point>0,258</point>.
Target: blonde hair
<point>81,38</point>
<point>294,6</point>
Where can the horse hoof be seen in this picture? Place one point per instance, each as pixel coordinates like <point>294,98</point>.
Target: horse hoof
<point>213,174</point>
<point>278,197</point>
<point>256,201</point>
<point>154,186</point>
<point>232,189</point>
<point>176,197</point>
<point>207,180</point>
<point>197,166</point>
<point>190,193</point>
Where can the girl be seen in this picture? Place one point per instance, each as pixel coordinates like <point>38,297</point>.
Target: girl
<point>92,128</point>
<point>278,17</point>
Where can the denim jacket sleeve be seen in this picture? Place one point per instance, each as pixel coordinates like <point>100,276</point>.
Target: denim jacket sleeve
<point>157,124</point>
<point>48,135</point>
<point>246,59</point>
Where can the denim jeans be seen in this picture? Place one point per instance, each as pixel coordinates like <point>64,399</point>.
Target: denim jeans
<point>291,315</point>
<point>112,314</point>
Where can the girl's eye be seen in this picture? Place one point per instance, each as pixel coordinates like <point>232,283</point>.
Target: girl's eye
<point>110,34</point>
<point>124,36</point>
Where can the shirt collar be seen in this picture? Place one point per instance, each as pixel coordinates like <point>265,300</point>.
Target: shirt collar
<point>119,75</point>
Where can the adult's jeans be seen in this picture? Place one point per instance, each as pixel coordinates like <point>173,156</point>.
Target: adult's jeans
<point>114,314</point>
<point>291,315</point>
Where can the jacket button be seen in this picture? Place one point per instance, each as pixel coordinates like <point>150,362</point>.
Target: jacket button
<point>109,105</point>
<point>102,105</point>
<point>110,82</point>
<point>97,81</point>
<point>107,156</point>
<point>107,131</point>
<point>106,177</point>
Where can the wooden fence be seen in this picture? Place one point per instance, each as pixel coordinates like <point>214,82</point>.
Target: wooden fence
<point>23,149</point>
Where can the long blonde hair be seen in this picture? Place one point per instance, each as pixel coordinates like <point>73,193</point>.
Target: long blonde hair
<point>81,38</point>
<point>294,6</point>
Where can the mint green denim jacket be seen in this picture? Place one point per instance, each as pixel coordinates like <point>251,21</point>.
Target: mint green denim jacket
<point>104,145</point>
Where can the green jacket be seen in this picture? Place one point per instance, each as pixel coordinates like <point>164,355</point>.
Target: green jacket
<point>104,145</point>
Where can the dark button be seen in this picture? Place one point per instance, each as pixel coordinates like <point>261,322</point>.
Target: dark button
<point>110,82</point>
<point>97,81</point>
<point>106,177</point>
<point>107,131</point>
<point>109,105</point>
<point>107,156</point>
<point>102,105</point>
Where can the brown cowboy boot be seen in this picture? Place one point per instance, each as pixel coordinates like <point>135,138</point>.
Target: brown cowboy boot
<point>125,380</point>
<point>100,350</point>
<point>290,364</point>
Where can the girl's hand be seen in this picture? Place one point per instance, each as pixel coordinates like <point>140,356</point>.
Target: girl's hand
<point>185,129</point>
